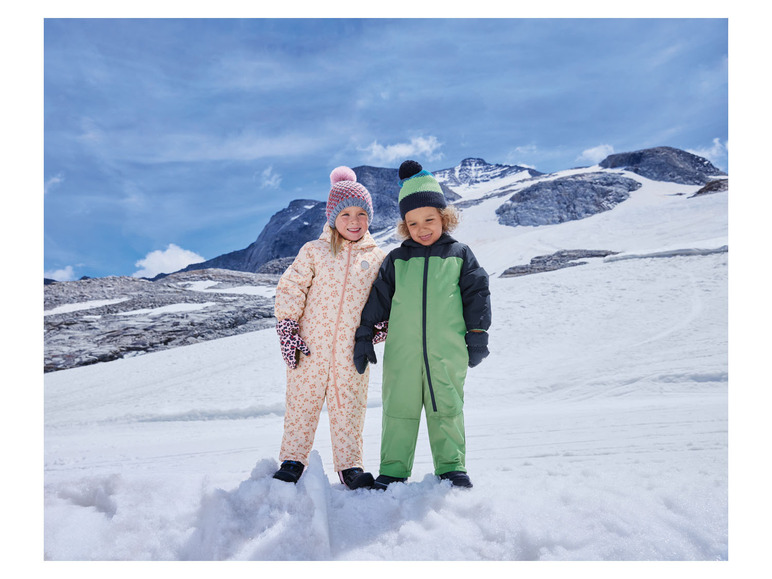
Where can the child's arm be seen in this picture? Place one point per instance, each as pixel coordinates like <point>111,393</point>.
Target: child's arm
<point>291,293</point>
<point>378,306</point>
<point>292,289</point>
<point>476,299</point>
<point>375,316</point>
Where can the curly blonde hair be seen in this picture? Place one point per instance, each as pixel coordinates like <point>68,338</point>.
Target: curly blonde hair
<point>450,220</point>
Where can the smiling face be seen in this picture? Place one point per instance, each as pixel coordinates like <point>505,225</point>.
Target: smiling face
<point>351,223</point>
<point>424,224</point>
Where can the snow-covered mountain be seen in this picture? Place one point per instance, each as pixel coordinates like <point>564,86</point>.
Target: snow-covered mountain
<point>597,427</point>
<point>129,316</point>
<point>553,198</point>
<point>473,175</point>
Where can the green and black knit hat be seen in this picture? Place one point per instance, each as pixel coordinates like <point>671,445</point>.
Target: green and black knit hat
<point>418,188</point>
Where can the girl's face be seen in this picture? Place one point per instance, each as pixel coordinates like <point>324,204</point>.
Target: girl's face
<point>424,225</point>
<point>351,223</point>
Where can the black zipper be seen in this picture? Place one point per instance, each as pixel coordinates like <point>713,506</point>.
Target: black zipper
<point>423,323</point>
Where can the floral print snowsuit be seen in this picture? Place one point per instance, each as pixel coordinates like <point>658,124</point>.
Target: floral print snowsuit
<point>325,294</point>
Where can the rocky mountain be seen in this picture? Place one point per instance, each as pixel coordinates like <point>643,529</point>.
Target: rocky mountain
<point>302,220</point>
<point>473,171</point>
<point>101,319</point>
<point>534,199</point>
<point>665,164</point>
<point>283,236</point>
<point>384,189</point>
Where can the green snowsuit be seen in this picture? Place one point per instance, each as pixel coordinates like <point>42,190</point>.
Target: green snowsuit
<point>431,296</point>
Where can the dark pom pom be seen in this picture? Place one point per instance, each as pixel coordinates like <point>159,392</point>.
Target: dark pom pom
<point>408,169</point>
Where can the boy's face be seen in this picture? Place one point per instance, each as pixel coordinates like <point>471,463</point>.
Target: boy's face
<point>424,225</point>
<point>351,223</point>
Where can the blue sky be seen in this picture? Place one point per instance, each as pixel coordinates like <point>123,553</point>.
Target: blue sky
<point>168,141</point>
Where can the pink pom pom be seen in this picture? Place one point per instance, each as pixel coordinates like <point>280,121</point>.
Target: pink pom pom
<point>342,174</point>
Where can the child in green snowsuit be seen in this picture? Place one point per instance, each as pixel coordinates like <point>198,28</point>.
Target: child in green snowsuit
<point>435,297</point>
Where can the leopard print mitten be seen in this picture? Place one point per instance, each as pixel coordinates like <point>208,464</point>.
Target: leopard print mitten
<point>291,342</point>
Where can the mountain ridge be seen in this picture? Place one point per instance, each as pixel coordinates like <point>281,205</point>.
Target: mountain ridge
<point>553,201</point>
<point>509,222</point>
<point>531,198</point>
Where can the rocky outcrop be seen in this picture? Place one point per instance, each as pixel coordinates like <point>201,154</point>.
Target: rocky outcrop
<point>557,260</point>
<point>565,199</point>
<point>717,186</point>
<point>103,319</point>
<point>276,266</point>
<point>665,164</point>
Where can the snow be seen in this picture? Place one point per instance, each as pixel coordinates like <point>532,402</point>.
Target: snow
<point>469,192</point>
<point>253,290</point>
<point>169,309</point>
<point>597,428</point>
<point>655,216</point>
<point>82,306</point>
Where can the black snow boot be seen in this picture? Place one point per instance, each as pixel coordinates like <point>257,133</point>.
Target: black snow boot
<point>290,471</point>
<point>356,478</point>
<point>457,479</point>
<point>385,480</point>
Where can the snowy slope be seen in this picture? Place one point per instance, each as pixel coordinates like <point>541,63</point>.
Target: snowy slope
<point>597,428</point>
<point>656,216</point>
<point>477,189</point>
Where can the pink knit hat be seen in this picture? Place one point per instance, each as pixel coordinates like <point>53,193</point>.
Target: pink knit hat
<point>346,192</point>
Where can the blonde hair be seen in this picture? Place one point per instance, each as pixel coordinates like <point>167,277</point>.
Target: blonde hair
<point>336,241</point>
<point>450,220</point>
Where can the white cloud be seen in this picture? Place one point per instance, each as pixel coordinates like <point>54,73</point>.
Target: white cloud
<point>525,150</point>
<point>52,183</point>
<point>172,259</point>
<point>65,274</point>
<point>91,132</point>
<point>269,179</point>
<point>518,155</point>
<point>424,148</point>
<point>197,147</point>
<point>717,153</point>
<point>595,155</point>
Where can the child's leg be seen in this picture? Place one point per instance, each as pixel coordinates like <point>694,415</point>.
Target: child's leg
<point>303,405</point>
<point>445,418</point>
<point>347,405</point>
<point>447,440</point>
<point>402,392</point>
<point>398,441</point>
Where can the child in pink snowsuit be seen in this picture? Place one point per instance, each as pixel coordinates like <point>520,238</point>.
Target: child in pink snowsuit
<point>319,300</point>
